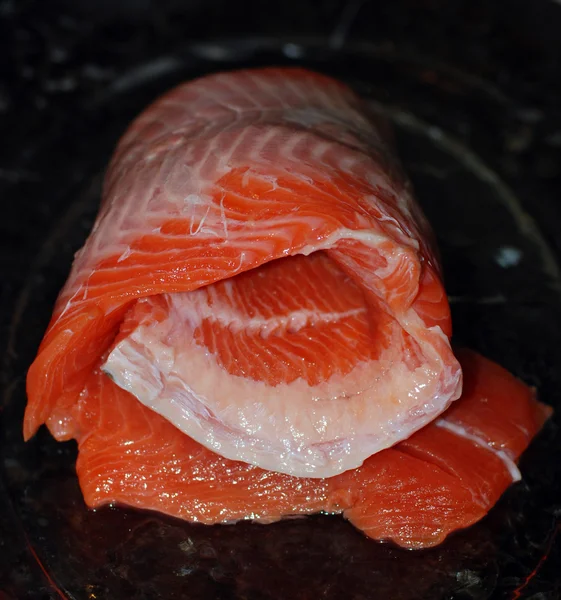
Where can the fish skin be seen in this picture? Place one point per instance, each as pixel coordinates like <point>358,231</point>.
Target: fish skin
<point>220,176</point>
<point>414,494</point>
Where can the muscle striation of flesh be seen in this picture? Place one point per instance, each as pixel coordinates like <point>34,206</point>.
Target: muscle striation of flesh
<point>443,478</point>
<point>259,275</point>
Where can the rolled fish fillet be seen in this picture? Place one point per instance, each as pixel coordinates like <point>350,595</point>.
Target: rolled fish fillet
<point>261,277</point>
<point>257,327</point>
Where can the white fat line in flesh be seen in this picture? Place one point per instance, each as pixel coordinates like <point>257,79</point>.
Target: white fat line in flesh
<point>223,217</point>
<point>293,322</point>
<point>462,432</point>
<point>274,227</point>
<point>308,116</point>
<point>366,236</point>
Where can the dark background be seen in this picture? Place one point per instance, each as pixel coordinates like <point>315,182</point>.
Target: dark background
<point>56,55</point>
<point>60,59</point>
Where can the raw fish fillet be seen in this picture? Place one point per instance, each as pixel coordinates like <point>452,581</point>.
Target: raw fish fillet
<point>444,477</point>
<point>257,319</point>
<point>259,275</point>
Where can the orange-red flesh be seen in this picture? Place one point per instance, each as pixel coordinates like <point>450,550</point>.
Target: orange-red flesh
<point>273,189</point>
<point>293,167</point>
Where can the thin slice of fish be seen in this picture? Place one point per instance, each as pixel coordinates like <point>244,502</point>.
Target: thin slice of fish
<point>415,494</point>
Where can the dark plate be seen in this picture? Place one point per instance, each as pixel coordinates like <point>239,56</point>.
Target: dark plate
<point>453,131</point>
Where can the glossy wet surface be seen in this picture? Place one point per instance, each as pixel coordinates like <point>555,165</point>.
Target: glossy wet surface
<point>502,279</point>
